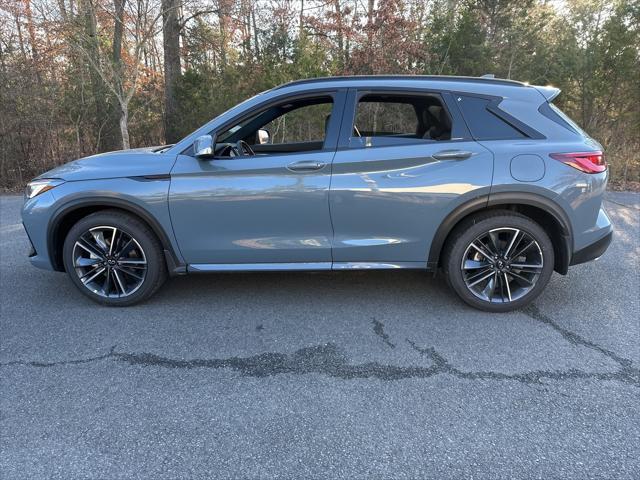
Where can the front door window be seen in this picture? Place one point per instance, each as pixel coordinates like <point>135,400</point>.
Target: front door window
<point>293,126</point>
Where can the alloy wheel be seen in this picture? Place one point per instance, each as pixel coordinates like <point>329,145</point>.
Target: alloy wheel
<point>502,265</point>
<point>109,262</point>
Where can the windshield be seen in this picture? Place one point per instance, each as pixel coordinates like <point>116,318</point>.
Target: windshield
<point>232,109</point>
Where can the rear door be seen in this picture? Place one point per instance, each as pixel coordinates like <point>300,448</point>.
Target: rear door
<point>405,161</point>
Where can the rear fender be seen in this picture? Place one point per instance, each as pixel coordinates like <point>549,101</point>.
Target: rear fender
<point>517,201</point>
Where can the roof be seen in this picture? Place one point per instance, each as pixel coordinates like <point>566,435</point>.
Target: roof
<point>433,78</point>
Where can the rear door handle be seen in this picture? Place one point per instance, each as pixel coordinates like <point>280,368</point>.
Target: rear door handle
<point>305,166</point>
<point>452,155</point>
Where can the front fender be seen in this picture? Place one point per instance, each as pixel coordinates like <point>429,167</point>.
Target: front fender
<point>146,198</point>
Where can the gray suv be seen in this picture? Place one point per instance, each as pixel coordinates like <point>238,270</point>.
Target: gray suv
<point>481,178</point>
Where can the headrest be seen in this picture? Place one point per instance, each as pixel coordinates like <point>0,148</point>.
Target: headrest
<point>439,114</point>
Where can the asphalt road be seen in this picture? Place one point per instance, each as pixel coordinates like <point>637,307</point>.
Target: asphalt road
<point>325,375</point>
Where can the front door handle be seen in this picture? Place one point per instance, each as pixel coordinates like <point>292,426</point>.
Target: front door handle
<point>305,166</point>
<point>452,155</point>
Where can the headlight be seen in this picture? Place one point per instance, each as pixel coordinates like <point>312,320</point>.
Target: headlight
<point>41,185</point>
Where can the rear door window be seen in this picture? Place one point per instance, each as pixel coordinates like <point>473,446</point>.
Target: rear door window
<point>385,119</point>
<point>396,119</point>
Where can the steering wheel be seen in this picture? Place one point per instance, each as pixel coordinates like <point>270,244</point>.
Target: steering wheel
<point>242,148</point>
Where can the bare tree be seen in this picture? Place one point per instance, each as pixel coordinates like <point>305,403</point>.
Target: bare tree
<point>134,25</point>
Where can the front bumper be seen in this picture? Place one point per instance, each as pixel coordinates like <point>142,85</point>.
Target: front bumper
<point>35,217</point>
<point>32,250</point>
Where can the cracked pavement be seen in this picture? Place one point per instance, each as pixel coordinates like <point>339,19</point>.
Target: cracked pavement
<point>321,375</point>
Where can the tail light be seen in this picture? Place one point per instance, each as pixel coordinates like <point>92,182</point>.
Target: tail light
<point>588,162</point>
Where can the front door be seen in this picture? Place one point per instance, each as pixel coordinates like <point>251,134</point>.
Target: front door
<point>405,162</point>
<point>266,208</point>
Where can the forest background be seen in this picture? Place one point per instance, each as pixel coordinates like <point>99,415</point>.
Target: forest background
<point>84,76</point>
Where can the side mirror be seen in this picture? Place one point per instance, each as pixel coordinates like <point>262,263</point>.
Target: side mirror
<point>264,137</point>
<point>204,146</point>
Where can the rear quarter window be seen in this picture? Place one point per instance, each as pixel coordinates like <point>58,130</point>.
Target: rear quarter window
<point>484,124</point>
<point>553,113</point>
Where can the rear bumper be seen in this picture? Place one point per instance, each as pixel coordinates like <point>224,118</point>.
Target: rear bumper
<point>593,251</point>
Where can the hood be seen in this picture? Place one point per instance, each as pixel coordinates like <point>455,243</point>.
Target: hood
<point>122,163</point>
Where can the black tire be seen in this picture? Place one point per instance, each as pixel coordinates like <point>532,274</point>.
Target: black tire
<point>145,279</point>
<point>500,223</point>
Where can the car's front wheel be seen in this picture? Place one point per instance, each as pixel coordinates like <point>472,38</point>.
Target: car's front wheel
<point>498,261</point>
<point>114,258</point>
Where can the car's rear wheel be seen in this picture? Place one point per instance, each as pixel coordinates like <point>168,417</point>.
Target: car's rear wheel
<point>498,261</point>
<point>114,258</point>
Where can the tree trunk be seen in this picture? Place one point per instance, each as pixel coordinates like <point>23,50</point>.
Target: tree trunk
<point>118,69</point>
<point>224,20</point>
<point>301,19</point>
<point>255,31</point>
<point>98,90</point>
<point>340,36</point>
<point>118,29</point>
<point>32,34</point>
<point>370,56</point>
<point>171,44</point>
<point>124,125</point>
<point>20,38</point>
<point>2,61</point>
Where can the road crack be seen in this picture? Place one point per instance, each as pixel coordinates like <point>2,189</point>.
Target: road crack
<point>378,329</point>
<point>328,360</point>
<point>626,366</point>
<point>77,361</point>
<point>441,365</point>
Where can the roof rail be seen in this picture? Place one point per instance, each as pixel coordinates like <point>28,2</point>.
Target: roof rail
<point>437,78</point>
